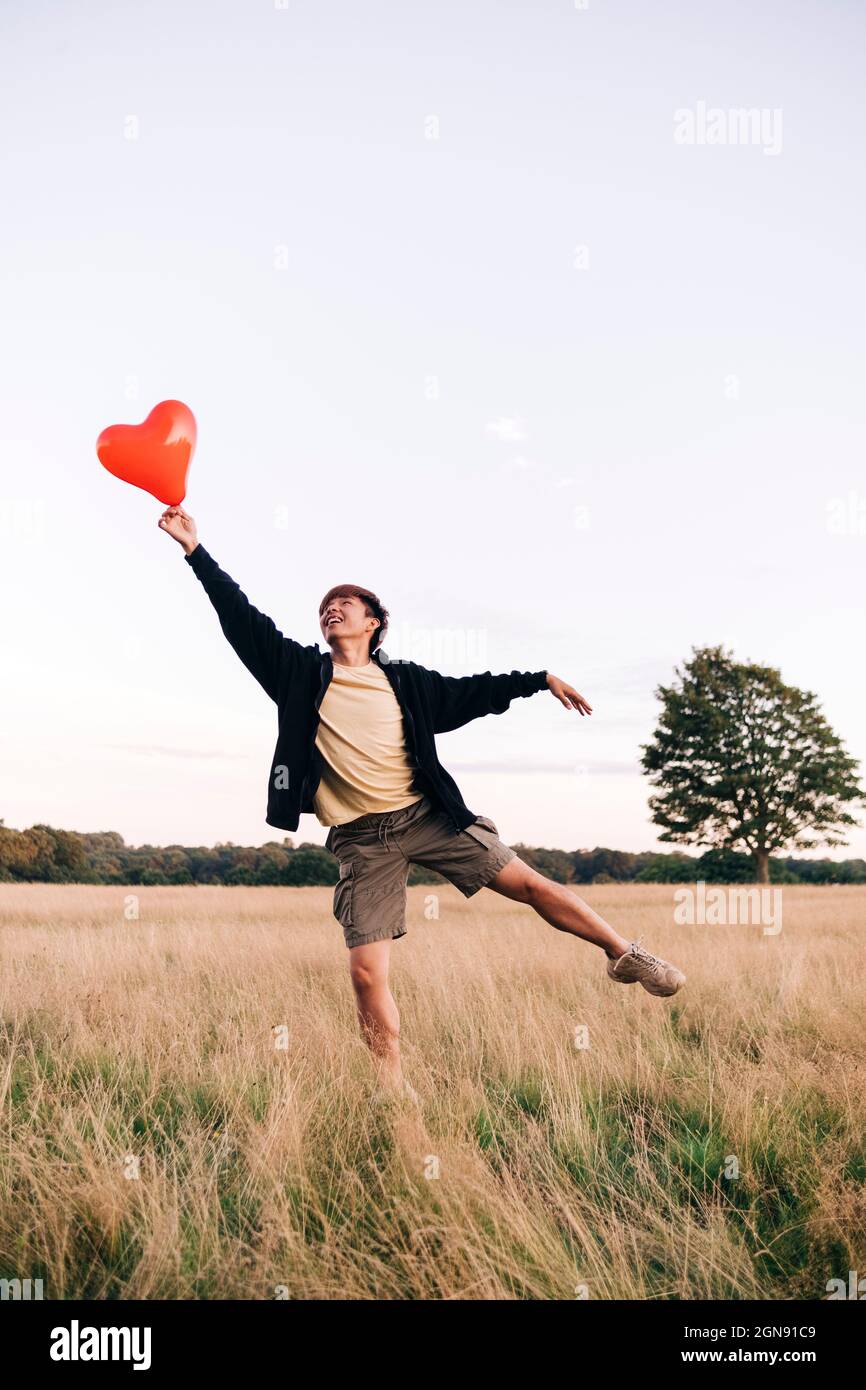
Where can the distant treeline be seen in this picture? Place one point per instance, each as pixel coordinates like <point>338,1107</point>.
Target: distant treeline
<point>45,855</point>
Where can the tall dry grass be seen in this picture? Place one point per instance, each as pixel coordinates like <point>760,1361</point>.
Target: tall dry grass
<point>159,1142</point>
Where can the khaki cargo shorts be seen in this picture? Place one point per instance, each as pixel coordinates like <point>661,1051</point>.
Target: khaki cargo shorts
<point>375,852</point>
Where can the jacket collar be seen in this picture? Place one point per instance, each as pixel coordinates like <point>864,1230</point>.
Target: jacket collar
<point>326,658</point>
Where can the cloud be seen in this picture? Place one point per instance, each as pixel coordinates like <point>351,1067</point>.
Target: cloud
<point>520,464</point>
<point>563,768</point>
<point>155,750</point>
<point>509,429</point>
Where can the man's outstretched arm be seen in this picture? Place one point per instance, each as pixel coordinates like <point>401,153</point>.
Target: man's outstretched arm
<point>254,636</point>
<point>459,699</point>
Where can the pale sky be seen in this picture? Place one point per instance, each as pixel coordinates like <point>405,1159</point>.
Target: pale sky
<point>460,319</point>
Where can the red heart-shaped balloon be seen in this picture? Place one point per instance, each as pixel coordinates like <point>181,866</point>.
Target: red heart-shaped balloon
<point>154,455</point>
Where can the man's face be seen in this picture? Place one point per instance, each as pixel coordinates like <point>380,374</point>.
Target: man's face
<point>343,618</point>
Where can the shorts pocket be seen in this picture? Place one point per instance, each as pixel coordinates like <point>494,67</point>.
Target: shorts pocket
<point>343,892</point>
<point>482,829</point>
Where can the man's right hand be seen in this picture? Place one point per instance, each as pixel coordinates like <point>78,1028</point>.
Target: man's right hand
<point>180,525</point>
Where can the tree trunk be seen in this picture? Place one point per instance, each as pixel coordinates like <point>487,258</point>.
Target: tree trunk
<point>762,865</point>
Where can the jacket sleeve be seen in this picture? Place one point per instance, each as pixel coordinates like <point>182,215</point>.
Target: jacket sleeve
<point>256,639</point>
<point>458,699</point>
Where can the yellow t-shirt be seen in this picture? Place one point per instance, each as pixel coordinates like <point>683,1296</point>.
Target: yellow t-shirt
<point>361,738</point>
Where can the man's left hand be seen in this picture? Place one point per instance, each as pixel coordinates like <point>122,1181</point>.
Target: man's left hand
<point>567,695</point>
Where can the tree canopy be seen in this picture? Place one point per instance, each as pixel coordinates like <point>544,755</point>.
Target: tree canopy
<point>44,854</point>
<point>742,760</point>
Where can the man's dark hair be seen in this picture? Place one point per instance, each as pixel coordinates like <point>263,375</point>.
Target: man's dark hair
<point>373,605</point>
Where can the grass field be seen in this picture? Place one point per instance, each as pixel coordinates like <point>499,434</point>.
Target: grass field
<point>161,1140</point>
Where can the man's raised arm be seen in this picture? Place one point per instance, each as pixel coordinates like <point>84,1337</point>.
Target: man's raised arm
<point>458,699</point>
<point>256,639</point>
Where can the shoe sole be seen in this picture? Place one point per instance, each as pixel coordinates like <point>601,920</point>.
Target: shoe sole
<point>663,993</point>
<point>658,993</point>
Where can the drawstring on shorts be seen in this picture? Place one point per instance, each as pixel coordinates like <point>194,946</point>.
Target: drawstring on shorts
<point>382,821</point>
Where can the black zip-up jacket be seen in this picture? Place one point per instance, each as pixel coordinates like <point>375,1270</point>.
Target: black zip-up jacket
<point>297,677</point>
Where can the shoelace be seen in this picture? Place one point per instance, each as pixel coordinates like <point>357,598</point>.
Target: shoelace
<point>641,953</point>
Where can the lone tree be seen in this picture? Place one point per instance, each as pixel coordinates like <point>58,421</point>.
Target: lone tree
<point>741,759</point>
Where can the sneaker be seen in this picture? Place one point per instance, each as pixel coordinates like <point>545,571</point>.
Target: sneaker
<point>639,966</point>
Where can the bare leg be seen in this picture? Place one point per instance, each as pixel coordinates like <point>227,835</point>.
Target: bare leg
<point>557,905</point>
<point>377,1011</point>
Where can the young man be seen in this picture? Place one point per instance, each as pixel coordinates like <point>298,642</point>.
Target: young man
<point>356,747</point>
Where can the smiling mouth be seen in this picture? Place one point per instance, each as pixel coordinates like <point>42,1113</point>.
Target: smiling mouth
<point>331,621</point>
